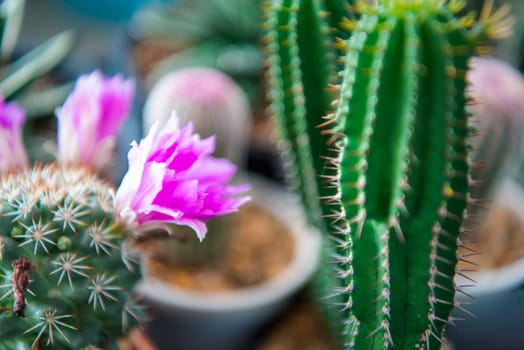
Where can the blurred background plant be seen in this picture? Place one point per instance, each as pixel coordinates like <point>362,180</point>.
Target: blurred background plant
<point>211,100</point>
<point>115,10</point>
<point>220,34</point>
<point>497,90</point>
<point>24,77</point>
<point>511,49</point>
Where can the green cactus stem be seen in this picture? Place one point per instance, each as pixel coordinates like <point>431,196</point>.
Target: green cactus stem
<point>66,274</point>
<point>291,89</point>
<point>397,155</point>
<point>302,66</point>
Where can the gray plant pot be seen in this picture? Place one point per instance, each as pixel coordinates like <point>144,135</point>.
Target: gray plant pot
<point>229,320</point>
<point>494,316</point>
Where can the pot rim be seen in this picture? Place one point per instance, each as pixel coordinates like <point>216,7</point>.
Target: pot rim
<point>304,263</point>
<point>494,281</point>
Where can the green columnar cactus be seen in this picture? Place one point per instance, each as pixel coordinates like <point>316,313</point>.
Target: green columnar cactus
<point>65,275</point>
<point>301,68</point>
<point>398,170</point>
<point>302,58</point>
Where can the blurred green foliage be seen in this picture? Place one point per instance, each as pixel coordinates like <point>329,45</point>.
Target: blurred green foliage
<point>221,34</point>
<point>21,77</point>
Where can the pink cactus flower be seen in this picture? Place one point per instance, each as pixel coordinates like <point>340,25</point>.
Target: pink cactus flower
<point>90,118</point>
<point>173,178</point>
<point>12,152</point>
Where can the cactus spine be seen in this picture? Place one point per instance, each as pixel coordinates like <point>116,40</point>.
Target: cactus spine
<point>65,273</point>
<point>397,158</point>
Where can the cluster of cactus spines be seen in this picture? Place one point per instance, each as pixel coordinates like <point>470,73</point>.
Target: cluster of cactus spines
<point>65,274</point>
<point>399,132</point>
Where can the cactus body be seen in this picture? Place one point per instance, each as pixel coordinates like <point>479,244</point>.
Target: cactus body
<point>403,173</point>
<point>66,275</point>
<point>392,181</point>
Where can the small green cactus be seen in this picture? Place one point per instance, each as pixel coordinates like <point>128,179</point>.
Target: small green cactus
<point>384,170</point>
<point>65,276</point>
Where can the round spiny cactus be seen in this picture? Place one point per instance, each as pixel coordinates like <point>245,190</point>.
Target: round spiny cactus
<point>208,98</point>
<point>65,270</point>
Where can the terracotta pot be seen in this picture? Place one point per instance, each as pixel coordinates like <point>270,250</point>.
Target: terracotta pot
<point>187,319</point>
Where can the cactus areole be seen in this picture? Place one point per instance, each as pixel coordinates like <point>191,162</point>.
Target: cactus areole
<point>394,141</point>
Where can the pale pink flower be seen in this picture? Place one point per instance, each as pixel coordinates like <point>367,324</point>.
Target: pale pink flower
<point>173,178</point>
<point>12,152</point>
<point>90,118</point>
